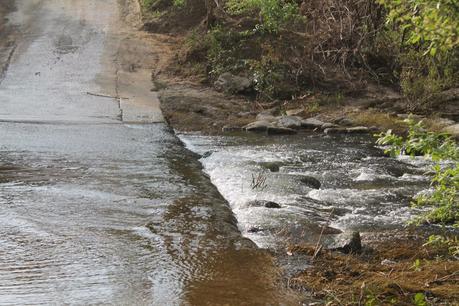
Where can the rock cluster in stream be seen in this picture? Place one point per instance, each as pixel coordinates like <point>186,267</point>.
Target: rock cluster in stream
<point>289,124</point>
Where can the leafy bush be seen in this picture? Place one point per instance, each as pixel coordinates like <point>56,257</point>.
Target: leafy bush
<point>444,199</point>
<point>433,24</point>
<point>178,3</point>
<point>224,51</point>
<point>429,39</point>
<point>274,14</point>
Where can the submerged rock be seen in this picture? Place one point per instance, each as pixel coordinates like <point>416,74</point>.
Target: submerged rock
<point>310,182</point>
<point>263,203</point>
<point>272,205</point>
<point>271,166</point>
<point>254,230</point>
<point>207,154</point>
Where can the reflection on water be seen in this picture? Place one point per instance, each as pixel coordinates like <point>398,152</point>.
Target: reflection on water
<point>118,214</point>
<point>365,189</point>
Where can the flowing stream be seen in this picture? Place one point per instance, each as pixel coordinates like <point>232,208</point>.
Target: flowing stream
<point>362,189</point>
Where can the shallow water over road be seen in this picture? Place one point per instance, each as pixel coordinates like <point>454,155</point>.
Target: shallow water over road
<point>114,213</point>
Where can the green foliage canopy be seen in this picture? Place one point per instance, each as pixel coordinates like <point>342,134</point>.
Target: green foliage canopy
<point>432,24</point>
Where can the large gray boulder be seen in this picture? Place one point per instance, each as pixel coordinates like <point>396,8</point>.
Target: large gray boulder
<point>230,83</point>
<point>264,126</point>
<point>310,181</point>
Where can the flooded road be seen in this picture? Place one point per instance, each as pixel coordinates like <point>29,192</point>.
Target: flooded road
<point>96,209</point>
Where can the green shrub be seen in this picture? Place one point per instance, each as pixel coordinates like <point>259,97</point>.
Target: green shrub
<point>224,50</point>
<point>271,77</point>
<point>274,14</point>
<point>179,3</point>
<point>443,201</point>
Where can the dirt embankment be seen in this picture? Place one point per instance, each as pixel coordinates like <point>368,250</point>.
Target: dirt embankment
<point>192,102</point>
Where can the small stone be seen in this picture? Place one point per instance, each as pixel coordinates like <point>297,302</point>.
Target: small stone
<point>230,128</point>
<point>311,123</point>
<point>331,131</point>
<point>254,229</point>
<point>258,126</point>
<point>263,203</point>
<point>328,125</point>
<point>358,130</point>
<point>207,154</point>
<point>387,262</point>
<point>349,243</point>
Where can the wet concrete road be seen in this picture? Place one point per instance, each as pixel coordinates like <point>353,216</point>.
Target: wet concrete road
<point>95,210</point>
